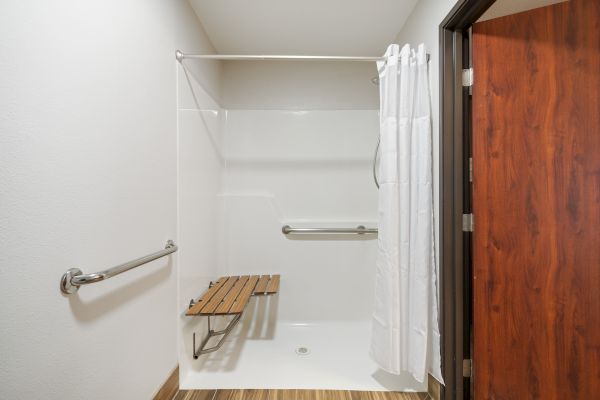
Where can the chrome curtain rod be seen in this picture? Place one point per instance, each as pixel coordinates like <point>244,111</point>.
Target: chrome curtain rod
<point>240,57</point>
<point>73,278</point>
<point>286,229</point>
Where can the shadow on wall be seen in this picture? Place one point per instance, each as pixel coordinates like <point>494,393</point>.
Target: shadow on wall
<point>200,82</point>
<point>262,317</point>
<point>88,311</point>
<point>200,108</point>
<point>258,323</point>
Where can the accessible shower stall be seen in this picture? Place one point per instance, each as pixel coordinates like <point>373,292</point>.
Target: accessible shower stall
<point>291,158</point>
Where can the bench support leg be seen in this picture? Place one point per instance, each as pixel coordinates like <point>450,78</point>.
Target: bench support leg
<point>211,333</point>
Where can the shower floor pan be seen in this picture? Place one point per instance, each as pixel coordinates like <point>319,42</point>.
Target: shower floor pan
<point>291,355</point>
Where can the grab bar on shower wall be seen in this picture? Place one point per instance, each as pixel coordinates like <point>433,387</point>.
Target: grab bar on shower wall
<point>73,278</point>
<point>375,163</point>
<point>286,229</point>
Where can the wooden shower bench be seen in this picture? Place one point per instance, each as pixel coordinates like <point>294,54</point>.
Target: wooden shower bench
<point>229,296</point>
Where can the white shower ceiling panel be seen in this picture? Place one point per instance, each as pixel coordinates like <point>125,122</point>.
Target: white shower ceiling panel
<point>319,27</point>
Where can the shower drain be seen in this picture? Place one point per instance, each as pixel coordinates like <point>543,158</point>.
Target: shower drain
<point>302,351</point>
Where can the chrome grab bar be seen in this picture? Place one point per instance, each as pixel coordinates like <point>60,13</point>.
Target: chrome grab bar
<point>286,229</point>
<point>74,277</point>
<point>375,163</point>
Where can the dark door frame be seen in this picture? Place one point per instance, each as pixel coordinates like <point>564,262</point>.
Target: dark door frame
<point>454,195</point>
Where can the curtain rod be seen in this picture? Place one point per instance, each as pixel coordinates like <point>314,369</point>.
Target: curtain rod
<point>180,56</point>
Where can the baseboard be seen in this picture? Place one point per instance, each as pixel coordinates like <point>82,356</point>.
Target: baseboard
<point>169,389</point>
<point>434,388</point>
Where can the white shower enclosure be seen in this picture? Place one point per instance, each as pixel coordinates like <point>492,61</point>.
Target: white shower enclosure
<point>250,164</point>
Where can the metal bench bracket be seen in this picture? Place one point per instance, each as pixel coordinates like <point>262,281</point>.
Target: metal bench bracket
<point>212,333</point>
<point>228,297</point>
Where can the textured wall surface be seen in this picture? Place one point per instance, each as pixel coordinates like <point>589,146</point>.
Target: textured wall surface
<point>88,170</point>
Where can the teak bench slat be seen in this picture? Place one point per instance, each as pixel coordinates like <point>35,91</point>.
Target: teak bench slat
<point>261,287</point>
<point>230,294</point>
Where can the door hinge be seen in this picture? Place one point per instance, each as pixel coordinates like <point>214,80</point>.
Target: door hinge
<point>470,169</point>
<point>467,223</point>
<point>467,368</point>
<point>467,77</point>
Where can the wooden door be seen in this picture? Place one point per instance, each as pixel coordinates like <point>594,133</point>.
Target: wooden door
<point>536,204</point>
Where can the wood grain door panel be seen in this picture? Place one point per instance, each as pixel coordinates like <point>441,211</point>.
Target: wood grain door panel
<point>536,204</point>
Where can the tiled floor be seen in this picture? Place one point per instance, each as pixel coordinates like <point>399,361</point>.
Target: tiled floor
<point>263,394</point>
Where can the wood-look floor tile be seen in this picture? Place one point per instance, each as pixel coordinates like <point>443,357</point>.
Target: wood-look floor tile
<point>282,394</point>
<point>303,394</point>
<point>358,395</point>
<point>292,394</point>
<point>195,395</point>
<point>170,388</point>
<point>181,395</point>
<point>332,395</point>
<point>414,396</point>
<point>202,395</point>
<point>228,395</point>
<point>255,394</point>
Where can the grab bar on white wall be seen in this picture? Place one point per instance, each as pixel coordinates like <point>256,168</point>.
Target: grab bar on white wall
<point>286,229</point>
<point>74,277</point>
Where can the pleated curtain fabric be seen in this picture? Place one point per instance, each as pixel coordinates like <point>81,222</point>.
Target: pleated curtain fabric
<point>405,334</point>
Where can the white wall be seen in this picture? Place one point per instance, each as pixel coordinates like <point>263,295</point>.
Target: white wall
<point>88,171</point>
<point>306,169</point>
<point>297,85</point>
<point>200,168</point>
<point>298,141</point>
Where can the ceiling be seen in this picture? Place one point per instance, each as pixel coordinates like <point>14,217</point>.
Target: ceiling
<point>315,27</point>
<point>507,7</point>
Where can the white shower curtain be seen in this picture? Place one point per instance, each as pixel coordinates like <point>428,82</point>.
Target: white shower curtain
<point>405,336</point>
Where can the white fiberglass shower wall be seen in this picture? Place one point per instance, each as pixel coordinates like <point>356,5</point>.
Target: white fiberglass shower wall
<point>292,143</point>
